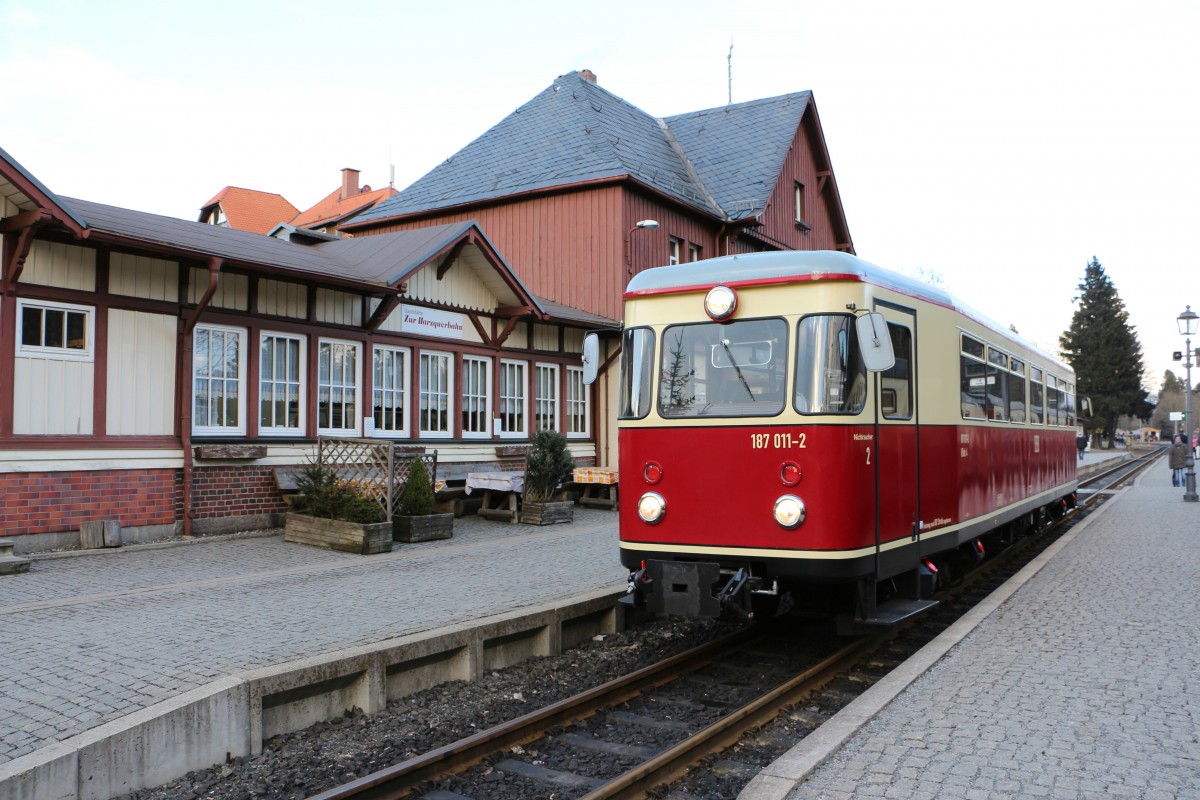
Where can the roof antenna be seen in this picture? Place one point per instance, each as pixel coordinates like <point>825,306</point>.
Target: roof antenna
<point>730,60</point>
<point>391,169</point>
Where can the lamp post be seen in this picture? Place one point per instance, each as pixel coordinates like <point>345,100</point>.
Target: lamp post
<point>646,223</point>
<point>1189,322</point>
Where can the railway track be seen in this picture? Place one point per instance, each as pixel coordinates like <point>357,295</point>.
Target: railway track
<point>652,727</point>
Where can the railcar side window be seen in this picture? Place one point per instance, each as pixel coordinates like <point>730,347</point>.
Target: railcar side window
<point>1053,401</point>
<point>974,379</point>
<point>831,377</point>
<point>1069,403</point>
<point>723,370</point>
<point>1016,391</point>
<point>1037,401</point>
<point>637,365</point>
<point>896,383</point>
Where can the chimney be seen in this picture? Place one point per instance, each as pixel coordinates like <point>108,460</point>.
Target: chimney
<point>587,74</point>
<point>349,183</point>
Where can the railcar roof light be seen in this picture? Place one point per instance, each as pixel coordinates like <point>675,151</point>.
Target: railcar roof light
<point>720,303</point>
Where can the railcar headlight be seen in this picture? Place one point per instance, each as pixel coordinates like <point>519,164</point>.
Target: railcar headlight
<point>720,303</point>
<point>789,511</point>
<point>651,507</point>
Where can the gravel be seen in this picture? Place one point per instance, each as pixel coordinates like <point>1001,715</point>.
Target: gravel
<point>331,753</point>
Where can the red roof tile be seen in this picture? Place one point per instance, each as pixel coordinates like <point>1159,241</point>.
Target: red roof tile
<point>333,208</point>
<point>251,210</point>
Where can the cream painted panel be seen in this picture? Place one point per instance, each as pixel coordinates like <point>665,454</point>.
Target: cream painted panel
<point>545,337</point>
<point>52,397</point>
<point>519,338</point>
<point>141,276</point>
<point>339,308</point>
<point>458,287</point>
<point>283,299</point>
<point>62,265</point>
<point>572,340</point>
<point>141,374</point>
<point>233,291</point>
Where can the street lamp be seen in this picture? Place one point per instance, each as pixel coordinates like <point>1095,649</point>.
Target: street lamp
<point>646,223</point>
<point>1189,322</point>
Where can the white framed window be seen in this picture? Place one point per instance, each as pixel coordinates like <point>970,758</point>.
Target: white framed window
<point>339,376</point>
<point>280,384</point>
<point>674,247</point>
<point>476,397</point>
<point>218,378</point>
<point>799,197</point>
<point>435,385</point>
<point>695,252</point>
<point>390,390</point>
<point>513,404</point>
<point>545,401</point>
<point>578,404</point>
<point>59,331</point>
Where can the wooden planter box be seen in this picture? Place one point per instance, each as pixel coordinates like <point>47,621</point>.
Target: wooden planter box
<point>422,529</point>
<point>548,513</point>
<point>337,534</point>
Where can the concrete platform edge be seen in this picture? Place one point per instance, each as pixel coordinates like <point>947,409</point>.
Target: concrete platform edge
<point>780,777</point>
<point>231,716</point>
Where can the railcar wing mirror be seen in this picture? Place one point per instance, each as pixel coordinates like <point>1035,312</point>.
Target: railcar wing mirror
<point>1085,406</point>
<point>591,358</point>
<point>875,342</point>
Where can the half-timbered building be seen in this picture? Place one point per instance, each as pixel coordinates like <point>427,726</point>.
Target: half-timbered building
<point>155,371</point>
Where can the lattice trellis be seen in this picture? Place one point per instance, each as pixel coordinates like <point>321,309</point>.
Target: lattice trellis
<point>378,468</point>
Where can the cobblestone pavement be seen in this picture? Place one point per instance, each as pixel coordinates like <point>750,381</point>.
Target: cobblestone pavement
<point>89,638</point>
<point>1084,684</point>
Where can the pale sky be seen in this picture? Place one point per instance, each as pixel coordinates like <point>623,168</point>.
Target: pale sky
<point>998,145</point>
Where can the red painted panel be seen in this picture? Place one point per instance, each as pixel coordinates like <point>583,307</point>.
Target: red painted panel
<point>720,483</point>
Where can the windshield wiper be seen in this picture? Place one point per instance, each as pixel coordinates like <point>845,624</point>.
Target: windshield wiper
<point>738,370</point>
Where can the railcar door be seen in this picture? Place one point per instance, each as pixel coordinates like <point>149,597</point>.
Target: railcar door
<point>897,439</point>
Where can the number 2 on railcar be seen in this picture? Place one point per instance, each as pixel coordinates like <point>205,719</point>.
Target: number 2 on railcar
<point>805,429</point>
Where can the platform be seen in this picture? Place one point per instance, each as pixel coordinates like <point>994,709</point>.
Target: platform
<point>1080,678</point>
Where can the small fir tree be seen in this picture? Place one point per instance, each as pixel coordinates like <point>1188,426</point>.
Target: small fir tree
<point>416,498</point>
<point>549,464</point>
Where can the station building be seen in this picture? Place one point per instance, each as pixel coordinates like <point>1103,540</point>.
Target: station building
<point>157,371</point>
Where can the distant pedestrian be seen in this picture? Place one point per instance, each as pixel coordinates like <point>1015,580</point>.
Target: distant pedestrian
<point>1178,460</point>
<point>1081,444</point>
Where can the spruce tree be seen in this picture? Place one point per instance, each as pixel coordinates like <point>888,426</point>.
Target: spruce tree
<point>1103,349</point>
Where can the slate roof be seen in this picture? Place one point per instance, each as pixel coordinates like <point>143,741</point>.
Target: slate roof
<point>250,209</point>
<point>722,161</point>
<point>368,262</point>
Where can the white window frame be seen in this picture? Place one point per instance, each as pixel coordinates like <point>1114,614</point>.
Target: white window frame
<point>404,389</point>
<point>356,347</point>
<point>424,393</point>
<point>695,253</point>
<point>240,381</point>
<point>470,393</point>
<point>674,250</point>
<point>300,382</point>
<point>798,196</point>
<point>520,383</point>
<point>87,353</point>
<point>578,402</point>
<point>542,403</point>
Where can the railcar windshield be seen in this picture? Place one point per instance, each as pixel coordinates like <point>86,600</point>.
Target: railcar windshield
<point>831,377</point>
<point>735,369</point>
<point>637,364</point>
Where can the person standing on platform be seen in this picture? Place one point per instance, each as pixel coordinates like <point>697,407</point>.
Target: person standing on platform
<point>1081,444</point>
<point>1177,458</point>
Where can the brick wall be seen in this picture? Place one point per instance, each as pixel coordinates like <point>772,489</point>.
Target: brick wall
<point>54,502</point>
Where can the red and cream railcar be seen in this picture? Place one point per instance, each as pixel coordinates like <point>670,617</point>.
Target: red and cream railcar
<point>770,448</point>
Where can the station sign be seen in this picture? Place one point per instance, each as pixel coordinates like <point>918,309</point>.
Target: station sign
<point>432,322</point>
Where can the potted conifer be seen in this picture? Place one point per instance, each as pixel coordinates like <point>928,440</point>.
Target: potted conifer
<point>336,514</point>
<point>549,463</point>
<point>415,520</point>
